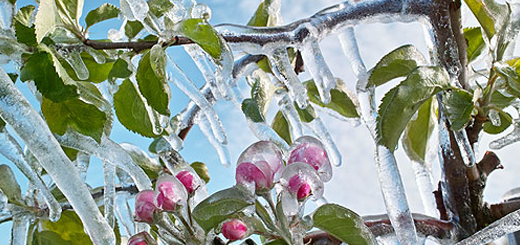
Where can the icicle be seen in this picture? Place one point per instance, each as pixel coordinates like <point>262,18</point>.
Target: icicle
<point>202,121</point>
<point>510,138</point>
<point>320,72</point>
<point>494,117</point>
<point>289,111</point>
<point>124,213</point>
<point>20,230</point>
<point>179,78</point>
<point>283,70</point>
<point>468,156</point>
<point>321,131</point>
<point>3,201</point>
<point>6,14</point>
<point>507,224</point>
<point>348,42</point>
<point>424,180</point>
<point>224,69</point>
<point>76,62</point>
<point>28,124</point>
<point>109,173</point>
<point>108,151</point>
<point>197,55</point>
<point>134,9</point>
<point>81,163</point>
<point>12,151</point>
<point>97,55</point>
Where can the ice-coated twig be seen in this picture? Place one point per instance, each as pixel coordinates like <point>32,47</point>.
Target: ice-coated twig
<point>390,181</point>
<point>32,129</point>
<point>423,177</point>
<point>321,131</point>
<point>20,230</point>
<point>466,151</point>
<point>290,113</point>
<point>109,197</point>
<point>507,224</point>
<point>284,72</point>
<point>13,151</point>
<point>204,125</point>
<point>179,78</point>
<point>108,151</point>
<point>510,138</point>
<point>320,72</point>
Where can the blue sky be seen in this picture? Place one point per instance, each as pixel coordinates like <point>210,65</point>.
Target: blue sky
<point>354,184</point>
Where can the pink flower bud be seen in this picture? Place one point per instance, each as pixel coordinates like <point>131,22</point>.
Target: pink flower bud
<point>188,180</point>
<point>309,150</point>
<point>250,173</point>
<point>300,187</point>
<point>234,230</point>
<point>145,206</point>
<point>171,193</point>
<point>142,238</point>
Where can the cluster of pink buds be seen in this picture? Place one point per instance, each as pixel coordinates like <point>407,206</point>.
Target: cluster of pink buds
<point>234,230</point>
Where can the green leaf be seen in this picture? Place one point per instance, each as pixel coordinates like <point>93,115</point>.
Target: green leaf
<point>418,132</point>
<point>2,124</point>
<point>251,110</point>
<point>120,70</point>
<point>70,10</point>
<point>262,212</point>
<point>40,68</point>
<point>501,101</point>
<point>46,19</point>
<point>340,101</point>
<point>104,12</point>
<point>85,118</point>
<point>487,12</point>
<point>154,88</point>
<point>151,167</point>
<point>48,238</point>
<point>281,127</point>
<point>203,34</point>
<point>158,61</point>
<point>401,102</point>
<point>307,115</point>
<point>9,185</point>
<point>475,42</point>
<point>69,227</point>
<point>132,28</point>
<point>159,7</point>
<point>23,16</point>
<point>398,63</point>
<point>459,105</point>
<point>24,34</point>
<point>202,170</point>
<point>71,153</point>
<point>97,72</point>
<point>265,15</point>
<point>511,76</point>
<point>133,111</point>
<point>221,205</point>
<point>505,121</point>
<point>343,224</point>
<point>262,90</point>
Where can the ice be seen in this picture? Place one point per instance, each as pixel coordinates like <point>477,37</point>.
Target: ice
<point>115,35</point>
<point>318,68</point>
<point>20,230</point>
<point>77,64</point>
<point>321,131</point>
<point>97,55</point>
<point>81,163</point>
<point>109,173</point>
<point>394,196</point>
<point>33,130</point>
<point>510,138</point>
<point>204,125</point>
<point>107,151</point>
<point>134,9</point>
<point>424,179</point>
<point>350,48</point>
<point>3,201</point>
<point>201,11</point>
<point>507,224</point>
<point>494,118</point>
<point>13,152</point>
<point>179,78</point>
<point>466,151</point>
<point>283,70</point>
<point>309,175</point>
<point>197,55</point>
<point>6,14</point>
<point>290,113</point>
<point>266,156</point>
<point>124,213</point>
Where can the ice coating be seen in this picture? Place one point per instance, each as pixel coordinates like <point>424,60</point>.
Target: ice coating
<point>179,78</point>
<point>197,55</point>
<point>283,70</point>
<point>424,180</point>
<point>188,179</point>
<point>494,118</point>
<point>13,151</point>
<point>171,193</point>
<point>3,201</point>
<point>20,230</point>
<point>6,14</point>
<point>134,9</point>
<point>290,113</point>
<point>76,62</point>
<point>108,151</point>
<point>234,229</point>
<point>310,150</point>
<point>510,138</point>
<point>28,124</point>
<point>124,214</point>
<point>348,42</point>
<point>507,224</point>
<point>319,129</point>
<point>81,163</point>
<point>204,125</point>
<point>466,151</point>
<point>145,206</point>
<point>109,195</point>
<point>306,175</point>
<point>254,177</point>
<point>265,155</point>
<point>318,68</point>
<point>201,11</point>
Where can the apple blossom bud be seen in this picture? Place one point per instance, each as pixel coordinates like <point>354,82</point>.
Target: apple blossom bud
<point>142,238</point>
<point>145,206</point>
<point>234,229</point>
<point>309,150</point>
<point>300,187</point>
<point>188,180</point>
<point>171,193</point>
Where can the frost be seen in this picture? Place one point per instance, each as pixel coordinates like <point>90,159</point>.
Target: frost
<point>290,113</point>
<point>134,9</point>
<point>320,72</point>
<point>510,138</point>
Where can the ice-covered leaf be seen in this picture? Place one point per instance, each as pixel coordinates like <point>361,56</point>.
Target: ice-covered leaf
<point>262,212</point>
<point>40,68</point>
<point>46,18</point>
<point>24,15</point>
<point>487,13</point>
<point>400,103</point>
<point>276,242</point>
<point>72,9</point>
<point>220,206</point>
<point>48,238</point>
<point>263,15</point>
<point>343,224</point>
<point>306,115</point>
<point>418,132</point>
<point>75,113</point>
<point>475,41</point>
<point>119,70</point>
<point>251,110</point>
<point>398,63</point>
<point>500,100</point>
<point>132,28</point>
<point>262,90</point>
<point>133,111</point>
<point>96,72</point>
<point>512,78</point>
<point>153,87</point>
<point>9,185</point>
<point>159,7</point>
<point>203,34</point>
<point>459,105</point>
<point>104,12</point>
<point>281,127</point>
<point>69,228</point>
<point>149,165</point>
<point>134,9</point>
<point>201,170</point>
<point>505,121</point>
<point>340,101</point>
